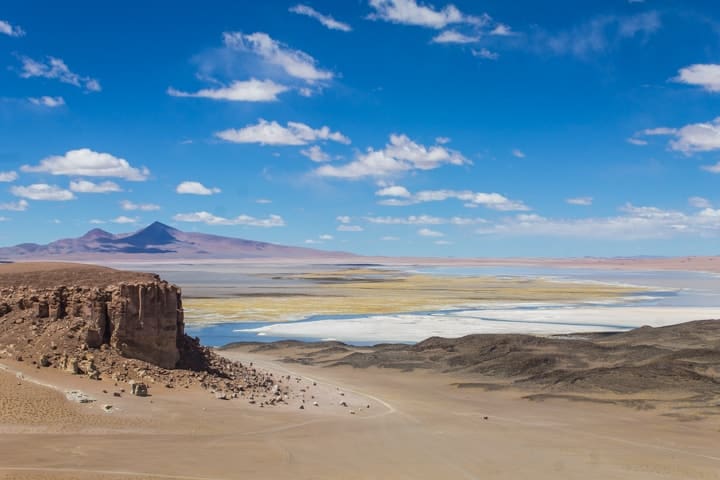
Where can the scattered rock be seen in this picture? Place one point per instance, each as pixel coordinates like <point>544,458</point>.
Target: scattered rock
<point>138,389</point>
<point>78,396</point>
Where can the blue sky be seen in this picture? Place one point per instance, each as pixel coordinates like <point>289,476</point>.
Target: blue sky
<point>393,127</point>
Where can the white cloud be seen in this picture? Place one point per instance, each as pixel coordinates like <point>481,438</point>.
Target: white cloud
<point>698,137</point>
<point>46,101</point>
<point>272,133</point>
<point>494,201</point>
<point>195,188</point>
<point>399,156</point>
<point>425,220</point>
<point>316,154</point>
<point>325,20</point>
<point>442,140</point>
<point>313,242</point>
<point>83,186</point>
<point>485,53</point>
<point>122,219</point>
<point>19,206</point>
<point>88,163</point>
<point>712,168</point>
<point>581,201</point>
<point>252,90</point>
<point>502,30</point>
<point>706,76</point>
<point>210,219</point>
<point>518,153</point>
<point>637,141</point>
<point>659,131</point>
<point>349,228</point>
<point>443,242</point>
<point>129,206</point>
<point>43,191</point>
<point>326,237</point>
<point>96,221</point>
<point>410,12</point>
<point>393,191</point>
<point>633,223</point>
<point>6,28</point>
<point>699,202</point>
<point>389,239</point>
<point>56,69</point>
<point>343,219</point>
<point>426,232</point>
<point>263,201</point>
<point>598,35</point>
<point>4,219</point>
<point>10,176</point>
<point>453,36</point>
<point>295,63</point>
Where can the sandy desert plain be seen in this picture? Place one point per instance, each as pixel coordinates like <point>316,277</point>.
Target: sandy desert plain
<point>640,404</point>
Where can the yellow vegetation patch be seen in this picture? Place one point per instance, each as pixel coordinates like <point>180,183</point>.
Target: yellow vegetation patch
<point>369,291</point>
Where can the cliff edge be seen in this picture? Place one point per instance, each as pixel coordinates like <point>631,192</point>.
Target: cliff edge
<point>100,322</point>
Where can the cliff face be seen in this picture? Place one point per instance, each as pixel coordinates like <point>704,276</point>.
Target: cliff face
<point>142,320</point>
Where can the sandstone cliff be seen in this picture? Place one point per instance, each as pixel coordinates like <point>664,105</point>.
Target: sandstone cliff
<point>104,323</point>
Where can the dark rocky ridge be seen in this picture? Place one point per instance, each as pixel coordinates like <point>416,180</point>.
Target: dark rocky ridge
<point>681,360</point>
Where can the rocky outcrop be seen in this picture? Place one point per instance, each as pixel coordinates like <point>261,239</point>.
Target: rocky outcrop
<point>117,326</point>
<point>142,320</point>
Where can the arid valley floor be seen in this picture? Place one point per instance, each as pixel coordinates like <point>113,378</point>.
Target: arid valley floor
<point>642,405</point>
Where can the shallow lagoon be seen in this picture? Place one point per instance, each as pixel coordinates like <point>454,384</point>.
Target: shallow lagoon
<point>672,297</point>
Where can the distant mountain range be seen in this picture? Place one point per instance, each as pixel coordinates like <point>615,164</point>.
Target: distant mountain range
<point>157,242</point>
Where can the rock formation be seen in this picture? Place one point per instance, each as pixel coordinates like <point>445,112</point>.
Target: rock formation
<point>104,323</point>
<point>142,320</point>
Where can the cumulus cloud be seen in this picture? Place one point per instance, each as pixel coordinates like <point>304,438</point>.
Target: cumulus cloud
<point>252,90</point>
<point>122,219</point>
<point>485,53</point>
<point>84,186</point>
<point>19,206</point>
<point>196,188</point>
<point>699,202</point>
<point>518,153</point>
<point>272,133</point>
<point>692,138</point>
<point>325,20</point>
<point>453,36</point>
<point>426,232</point>
<point>10,176</point>
<point>425,220</point>
<point>712,168</point>
<point>350,228</point>
<point>42,191</point>
<point>129,206</point>
<point>55,68</point>
<point>294,63</point>
<point>706,76</point>
<point>633,223</point>
<point>46,101</point>
<point>399,156</point>
<point>410,12</point>
<point>502,30</point>
<point>6,28</point>
<point>581,201</point>
<point>247,220</point>
<point>394,191</point>
<point>343,219</point>
<point>88,163</point>
<point>494,201</point>
<point>316,154</point>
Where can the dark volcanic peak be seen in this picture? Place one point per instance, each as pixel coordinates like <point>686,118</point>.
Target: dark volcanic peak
<point>154,234</point>
<point>158,241</point>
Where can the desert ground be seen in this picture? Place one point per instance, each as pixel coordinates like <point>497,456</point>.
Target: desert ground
<point>641,405</point>
<point>405,425</point>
